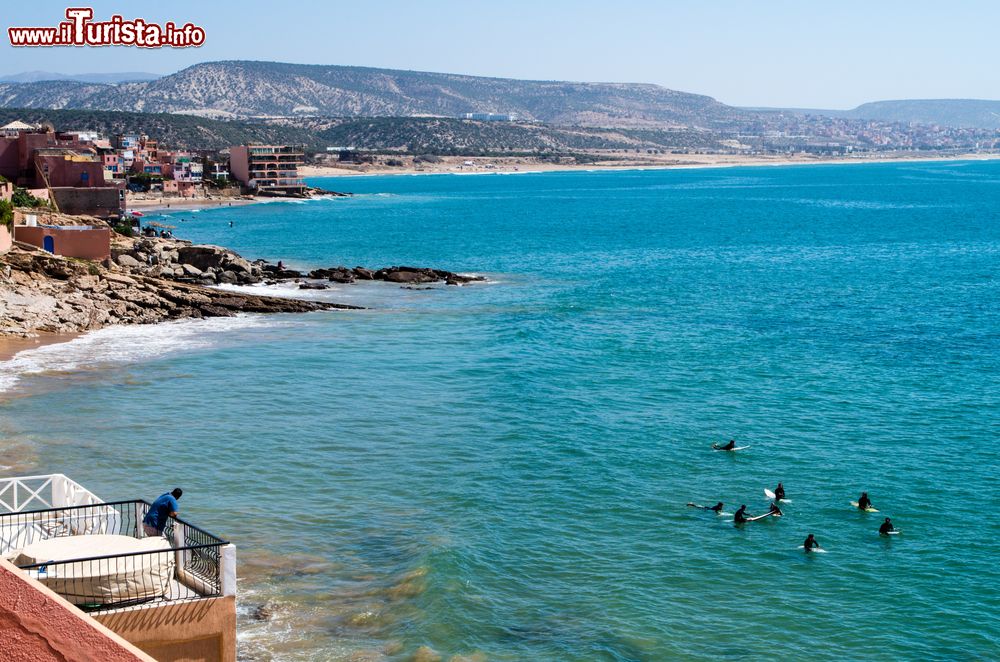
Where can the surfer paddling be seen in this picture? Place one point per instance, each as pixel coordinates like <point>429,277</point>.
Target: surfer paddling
<point>728,447</point>
<point>717,508</point>
<point>886,527</point>
<point>810,543</point>
<point>775,511</point>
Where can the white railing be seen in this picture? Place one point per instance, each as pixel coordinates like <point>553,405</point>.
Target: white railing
<point>20,493</point>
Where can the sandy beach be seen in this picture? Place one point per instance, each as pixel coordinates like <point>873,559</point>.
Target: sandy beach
<point>485,165</point>
<point>151,203</point>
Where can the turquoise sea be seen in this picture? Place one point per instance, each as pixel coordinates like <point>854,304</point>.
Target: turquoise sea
<point>500,471</point>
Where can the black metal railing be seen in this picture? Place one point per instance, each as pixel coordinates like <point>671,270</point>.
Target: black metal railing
<point>186,564</point>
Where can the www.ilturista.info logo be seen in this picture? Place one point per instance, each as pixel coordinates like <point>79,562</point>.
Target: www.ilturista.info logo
<point>80,30</point>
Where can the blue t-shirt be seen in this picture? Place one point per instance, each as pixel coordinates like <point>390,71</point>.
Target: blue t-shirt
<point>160,511</point>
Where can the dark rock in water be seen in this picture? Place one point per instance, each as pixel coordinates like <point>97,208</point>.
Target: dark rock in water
<point>287,274</point>
<point>417,275</point>
<point>411,287</point>
<point>313,286</point>
<point>335,274</point>
<point>262,612</point>
<point>363,274</point>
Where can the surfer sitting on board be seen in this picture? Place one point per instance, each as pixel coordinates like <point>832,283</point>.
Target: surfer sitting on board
<point>810,543</point>
<point>716,508</point>
<point>779,492</point>
<point>775,510</point>
<point>741,515</point>
<point>864,503</point>
<point>886,527</point>
<point>728,447</point>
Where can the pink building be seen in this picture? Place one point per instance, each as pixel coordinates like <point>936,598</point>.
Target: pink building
<point>80,241</point>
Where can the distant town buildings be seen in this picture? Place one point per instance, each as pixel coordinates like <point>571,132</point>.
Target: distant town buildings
<point>490,117</point>
<point>60,167</point>
<point>268,169</point>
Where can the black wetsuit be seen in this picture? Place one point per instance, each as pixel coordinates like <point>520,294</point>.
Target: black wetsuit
<point>885,528</point>
<point>716,508</point>
<point>740,516</point>
<point>776,510</point>
<point>779,493</point>
<point>864,503</point>
<point>810,543</point>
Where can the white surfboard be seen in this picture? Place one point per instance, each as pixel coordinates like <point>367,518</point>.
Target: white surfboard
<point>869,509</point>
<point>730,450</point>
<point>815,550</point>
<point>771,495</point>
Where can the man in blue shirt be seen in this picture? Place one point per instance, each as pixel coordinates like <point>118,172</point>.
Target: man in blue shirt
<point>160,512</point>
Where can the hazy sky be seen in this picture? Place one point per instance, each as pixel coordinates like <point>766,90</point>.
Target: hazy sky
<point>804,53</point>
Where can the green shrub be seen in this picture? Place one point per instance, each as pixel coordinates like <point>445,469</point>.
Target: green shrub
<point>7,215</point>
<point>21,198</point>
<point>122,228</point>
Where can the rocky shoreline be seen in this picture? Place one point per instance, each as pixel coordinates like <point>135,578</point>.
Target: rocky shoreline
<point>203,264</point>
<point>150,280</point>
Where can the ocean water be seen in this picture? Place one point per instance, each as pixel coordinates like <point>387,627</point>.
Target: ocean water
<point>500,471</point>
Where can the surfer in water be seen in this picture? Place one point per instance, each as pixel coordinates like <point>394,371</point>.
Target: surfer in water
<point>717,508</point>
<point>779,492</point>
<point>775,511</point>
<point>886,527</point>
<point>810,543</point>
<point>864,503</point>
<point>741,514</point>
<point>728,447</point>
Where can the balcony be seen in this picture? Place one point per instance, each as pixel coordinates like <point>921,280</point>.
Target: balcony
<point>95,554</point>
<point>173,596</point>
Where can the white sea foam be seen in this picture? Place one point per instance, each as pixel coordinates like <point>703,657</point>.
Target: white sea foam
<point>118,345</point>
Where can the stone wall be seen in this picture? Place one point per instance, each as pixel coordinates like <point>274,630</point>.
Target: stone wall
<point>102,202</point>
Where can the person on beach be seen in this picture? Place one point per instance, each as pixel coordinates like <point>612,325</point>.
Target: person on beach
<point>741,514</point>
<point>716,508</point>
<point>779,492</point>
<point>775,511</point>
<point>886,527</point>
<point>728,447</point>
<point>864,503</point>
<point>160,512</point>
<point>810,543</point>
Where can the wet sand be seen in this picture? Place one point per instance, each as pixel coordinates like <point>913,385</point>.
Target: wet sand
<point>9,346</point>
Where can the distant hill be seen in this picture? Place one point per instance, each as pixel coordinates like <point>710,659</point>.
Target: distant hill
<point>976,113</point>
<point>256,89</point>
<point>961,113</point>
<point>36,76</point>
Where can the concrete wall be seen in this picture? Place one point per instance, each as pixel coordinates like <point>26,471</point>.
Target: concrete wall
<point>239,163</point>
<point>6,240</point>
<point>36,625</point>
<point>8,158</point>
<point>87,244</point>
<point>100,202</point>
<point>202,630</point>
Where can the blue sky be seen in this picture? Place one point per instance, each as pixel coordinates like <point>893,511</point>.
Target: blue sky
<point>804,53</point>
